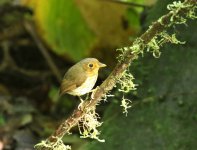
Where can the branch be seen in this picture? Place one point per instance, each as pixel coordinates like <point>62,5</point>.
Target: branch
<point>130,53</point>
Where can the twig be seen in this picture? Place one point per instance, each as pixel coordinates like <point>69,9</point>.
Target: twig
<point>30,28</point>
<point>157,27</point>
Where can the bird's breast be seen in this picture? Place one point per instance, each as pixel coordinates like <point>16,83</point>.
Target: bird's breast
<point>86,87</point>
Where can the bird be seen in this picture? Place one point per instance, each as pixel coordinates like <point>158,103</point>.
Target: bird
<point>81,77</point>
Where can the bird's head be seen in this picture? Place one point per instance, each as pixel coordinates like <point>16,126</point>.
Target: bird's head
<point>91,65</point>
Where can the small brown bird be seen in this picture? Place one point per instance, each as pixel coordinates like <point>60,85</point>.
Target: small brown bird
<point>81,78</point>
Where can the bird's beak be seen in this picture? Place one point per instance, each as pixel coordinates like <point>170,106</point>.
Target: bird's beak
<point>102,65</point>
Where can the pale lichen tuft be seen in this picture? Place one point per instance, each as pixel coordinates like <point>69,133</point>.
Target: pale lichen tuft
<point>126,82</point>
<point>126,104</point>
<point>137,47</point>
<point>122,51</point>
<point>126,85</point>
<point>153,46</point>
<point>175,9</point>
<point>104,98</point>
<point>58,145</point>
<point>88,125</point>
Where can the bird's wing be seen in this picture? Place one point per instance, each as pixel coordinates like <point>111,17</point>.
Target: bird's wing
<point>66,86</point>
<point>71,82</point>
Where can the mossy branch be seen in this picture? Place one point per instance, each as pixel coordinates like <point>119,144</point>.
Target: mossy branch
<point>178,14</point>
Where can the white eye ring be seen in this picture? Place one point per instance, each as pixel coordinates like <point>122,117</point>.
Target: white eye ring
<point>90,65</point>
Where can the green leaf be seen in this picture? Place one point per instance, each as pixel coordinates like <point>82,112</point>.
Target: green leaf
<point>63,28</point>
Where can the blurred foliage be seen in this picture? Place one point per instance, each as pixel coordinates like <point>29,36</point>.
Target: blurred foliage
<point>165,117</point>
<point>85,26</point>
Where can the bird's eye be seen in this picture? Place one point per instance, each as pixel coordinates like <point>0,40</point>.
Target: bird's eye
<point>90,65</point>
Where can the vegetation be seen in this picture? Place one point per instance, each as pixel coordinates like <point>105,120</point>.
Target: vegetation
<point>155,95</point>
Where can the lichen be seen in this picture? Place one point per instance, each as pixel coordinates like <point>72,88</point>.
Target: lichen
<point>154,46</point>
<point>165,37</point>
<point>126,82</point>
<point>126,104</point>
<point>192,13</point>
<point>159,40</point>
<point>137,47</point>
<point>105,97</point>
<point>175,9</point>
<point>58,145</point>
<point>122,52</point>
<point>88,125</point>
<point>126,85</point>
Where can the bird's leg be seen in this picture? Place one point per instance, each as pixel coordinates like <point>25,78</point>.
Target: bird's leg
<point>87,96</point>
<point>81,103</point>
<point>80,99</point>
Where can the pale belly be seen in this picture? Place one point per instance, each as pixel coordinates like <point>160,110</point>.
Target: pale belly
<point>86,87</point>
